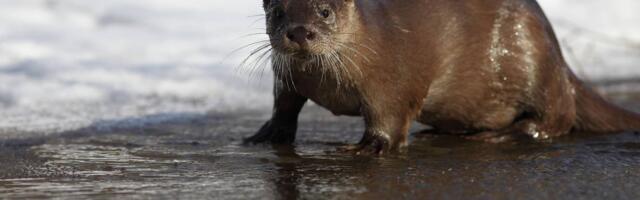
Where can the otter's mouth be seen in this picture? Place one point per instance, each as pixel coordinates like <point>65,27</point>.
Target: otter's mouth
<point>298,50</point>
<point>303,55</point>
<point>299,54</point>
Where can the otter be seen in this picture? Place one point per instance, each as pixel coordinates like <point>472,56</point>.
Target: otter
<point>491,70</point>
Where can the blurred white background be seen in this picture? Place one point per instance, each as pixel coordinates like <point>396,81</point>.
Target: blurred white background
<point>65,64</point>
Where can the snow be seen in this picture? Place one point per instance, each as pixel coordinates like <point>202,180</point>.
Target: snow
<point>68,64</point>
<point>601,39</point>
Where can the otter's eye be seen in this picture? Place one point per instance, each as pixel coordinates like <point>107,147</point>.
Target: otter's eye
<point>325,13</point>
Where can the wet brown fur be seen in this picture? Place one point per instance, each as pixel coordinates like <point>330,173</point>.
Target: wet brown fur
<point>491,69</point>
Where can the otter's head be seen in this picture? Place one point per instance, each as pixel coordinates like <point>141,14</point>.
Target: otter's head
<point>305,28</point>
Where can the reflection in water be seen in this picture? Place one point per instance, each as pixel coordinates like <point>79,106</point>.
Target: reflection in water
<point>288,177</point>
<point>310,176</point>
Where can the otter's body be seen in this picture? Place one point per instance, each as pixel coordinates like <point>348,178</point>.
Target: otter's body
<point>490,68</point>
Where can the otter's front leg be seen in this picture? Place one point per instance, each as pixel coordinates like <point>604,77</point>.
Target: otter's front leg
<point>281,129</point>
<point>384,132</point>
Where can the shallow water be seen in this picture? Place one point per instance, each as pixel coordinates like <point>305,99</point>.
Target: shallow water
<point>201,157</point>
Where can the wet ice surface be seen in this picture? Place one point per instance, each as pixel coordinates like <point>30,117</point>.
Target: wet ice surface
<point>202,158</point>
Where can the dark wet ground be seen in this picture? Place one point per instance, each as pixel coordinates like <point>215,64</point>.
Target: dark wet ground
<point>201,157</point>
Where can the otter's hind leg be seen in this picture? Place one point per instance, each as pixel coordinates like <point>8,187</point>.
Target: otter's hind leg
<point>521,130</point>
<point>537,128</point>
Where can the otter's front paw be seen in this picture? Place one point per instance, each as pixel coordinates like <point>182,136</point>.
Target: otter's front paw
<point>276,134</point>
<point>372,145</point>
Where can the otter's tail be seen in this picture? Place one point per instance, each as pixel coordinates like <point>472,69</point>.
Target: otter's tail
<point>595,114</point>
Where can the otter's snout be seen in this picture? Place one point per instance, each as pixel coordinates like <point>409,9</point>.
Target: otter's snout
<point>301,35</point>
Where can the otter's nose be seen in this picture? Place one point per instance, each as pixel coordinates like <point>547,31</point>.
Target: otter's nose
<point>301,35</point>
